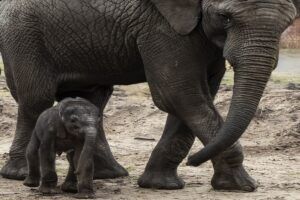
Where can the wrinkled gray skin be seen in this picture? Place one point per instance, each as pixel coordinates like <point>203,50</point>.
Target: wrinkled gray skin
<point>58,48</point>
<point>71,126</point>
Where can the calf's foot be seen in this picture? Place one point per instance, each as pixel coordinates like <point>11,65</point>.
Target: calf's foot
<point>31,181</point>
<point>168,180</point>
<point>85,195</point>
<point>69,186</point>
<point>15,169</point>
<point>49,190</point>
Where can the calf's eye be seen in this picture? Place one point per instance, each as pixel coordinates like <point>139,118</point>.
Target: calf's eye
<point>225,18</point>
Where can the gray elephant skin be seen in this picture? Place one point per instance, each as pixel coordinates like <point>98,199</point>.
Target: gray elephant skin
<point>72,126</point>
<point>54,49</point>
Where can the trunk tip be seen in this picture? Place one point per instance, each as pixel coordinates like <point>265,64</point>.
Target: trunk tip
<point>195,160</point>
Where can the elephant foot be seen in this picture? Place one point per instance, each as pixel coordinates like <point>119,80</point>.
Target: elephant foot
<point>161,180</point>
<point>49,191</point>
<point>234,179</point>
<point>69,186</point>
<point>85,195</point>
<point>113,171</point>
<point>32,181</point>
<point>15,169</point>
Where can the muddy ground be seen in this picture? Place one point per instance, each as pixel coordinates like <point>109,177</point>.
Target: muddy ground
<point>271,143</point>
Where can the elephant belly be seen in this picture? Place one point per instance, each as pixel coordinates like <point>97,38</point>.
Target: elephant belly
<point>99,48</point>
<point>122,77</point>
<point>77,83</point>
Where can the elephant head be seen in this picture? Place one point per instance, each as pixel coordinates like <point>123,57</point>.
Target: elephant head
<point>248,31</point>
<point>79,117</point>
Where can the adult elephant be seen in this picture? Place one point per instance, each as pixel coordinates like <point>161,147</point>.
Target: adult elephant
<point>57,48</point>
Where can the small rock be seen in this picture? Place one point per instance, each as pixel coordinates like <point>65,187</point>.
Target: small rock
<point>277,148</point>
<point>293,86</point>
<point>117,191</point>
<point>297,96</point>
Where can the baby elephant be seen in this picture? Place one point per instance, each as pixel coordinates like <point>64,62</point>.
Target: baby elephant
<point>72,126</point>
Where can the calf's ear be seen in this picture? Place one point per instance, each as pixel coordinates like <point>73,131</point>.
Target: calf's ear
<point>182,15</point>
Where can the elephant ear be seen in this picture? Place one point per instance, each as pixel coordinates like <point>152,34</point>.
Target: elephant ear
<point>182,15</point>
<point>61,131</point>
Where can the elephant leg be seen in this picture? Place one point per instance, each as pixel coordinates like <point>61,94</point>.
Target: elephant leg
<point>34,95</point>
<point>82,192</point>
<point>105,165</point>
<point>85,171</point>
<point>178,84</point>
<point>70,183</point>
<point>173,147</point>
<point>47,156</point>
<point>33,161</point>
<point>16,166</point>
<point>229,172</point>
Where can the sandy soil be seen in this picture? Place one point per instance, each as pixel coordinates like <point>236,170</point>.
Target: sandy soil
<point>271,143</point>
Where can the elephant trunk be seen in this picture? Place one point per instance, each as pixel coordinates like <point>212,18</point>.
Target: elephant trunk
<point>91,130</point>
<point>253,65</point>
<point>90,134</point>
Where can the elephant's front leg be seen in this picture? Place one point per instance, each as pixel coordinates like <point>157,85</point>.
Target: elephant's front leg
<point>173,147</point>
<point>175,68</point>
<point>229,172</point>
<point>47,156</point>
<point>70,183</point>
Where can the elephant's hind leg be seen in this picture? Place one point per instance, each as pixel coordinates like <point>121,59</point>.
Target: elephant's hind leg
<point>33,161</point>
<point>16,166</point>
<point>105,164</point>
<point>173,147</point>
<point>36,92</point>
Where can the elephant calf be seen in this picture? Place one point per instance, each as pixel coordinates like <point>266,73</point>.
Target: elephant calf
<point>72,127</point>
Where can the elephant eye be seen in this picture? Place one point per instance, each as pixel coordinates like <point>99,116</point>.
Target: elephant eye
<point>225,18</point>
<point>75,127</point>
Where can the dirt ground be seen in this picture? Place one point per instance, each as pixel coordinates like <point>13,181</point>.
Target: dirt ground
<point>271,143</point>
